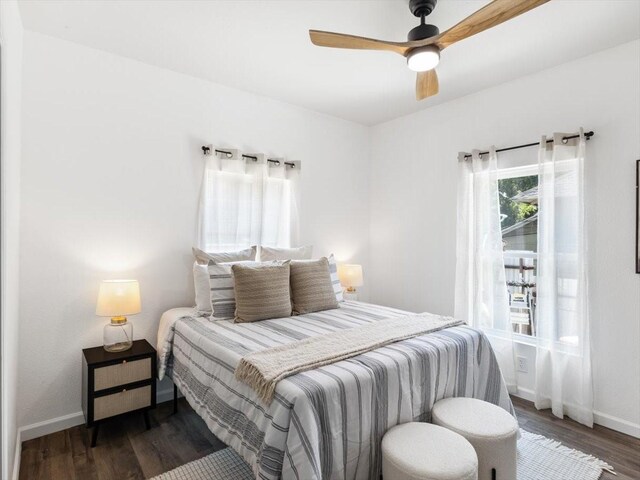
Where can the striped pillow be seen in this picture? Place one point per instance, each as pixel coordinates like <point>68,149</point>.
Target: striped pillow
<point>335,281</point>
<point>311,288</point>
<point>201,274</point>
<point>223,299</point>
<point>262,291</point>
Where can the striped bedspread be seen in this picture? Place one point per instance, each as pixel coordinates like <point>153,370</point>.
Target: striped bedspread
<point>325,423</point>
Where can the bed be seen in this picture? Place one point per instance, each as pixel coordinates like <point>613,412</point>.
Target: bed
<point>325,423</point>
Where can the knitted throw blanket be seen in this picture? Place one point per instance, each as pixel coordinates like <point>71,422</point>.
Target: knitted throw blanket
<point>263,369</point>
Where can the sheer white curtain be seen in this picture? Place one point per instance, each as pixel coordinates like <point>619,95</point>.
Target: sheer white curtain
<point>247,202</point>
<point>563,359</point>
<point>481,296</point>
<point>280,205</point>
<point>230,204</point>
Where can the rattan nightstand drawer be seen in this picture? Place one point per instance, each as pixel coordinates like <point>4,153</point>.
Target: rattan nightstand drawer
<point>121,402</point>
<point>122,373</point>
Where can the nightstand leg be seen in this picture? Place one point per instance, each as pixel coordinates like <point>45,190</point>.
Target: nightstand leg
<point>94,435</point>
<point>146,419</point>
<point>175,399</point>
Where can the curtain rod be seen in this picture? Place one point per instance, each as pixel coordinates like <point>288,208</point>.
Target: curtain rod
<point>587,135</point>
<point>206,150</point>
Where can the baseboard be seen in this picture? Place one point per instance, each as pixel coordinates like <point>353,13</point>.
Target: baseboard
<point>525,394</point>
<point>617,424</point>
<point>16,461</point>
<point>46,427</point>
<point>599,418</point>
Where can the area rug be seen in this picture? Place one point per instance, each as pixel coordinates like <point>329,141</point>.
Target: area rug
<point>539,458</point>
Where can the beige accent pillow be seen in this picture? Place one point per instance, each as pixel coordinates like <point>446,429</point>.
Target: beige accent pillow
<point>311,287</point>
<point>262,291</point>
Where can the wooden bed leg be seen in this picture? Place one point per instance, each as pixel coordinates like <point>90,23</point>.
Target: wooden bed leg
<point>175,399</point>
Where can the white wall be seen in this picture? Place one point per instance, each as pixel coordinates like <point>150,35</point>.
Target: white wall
<point>111,170</point>
<point>11,68</point>
<point>111,176</point>
<point>413,201</point>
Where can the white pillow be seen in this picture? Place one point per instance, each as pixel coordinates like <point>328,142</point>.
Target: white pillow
<point>203,257</point>
<point>202,288</point>
<point>298,253</point>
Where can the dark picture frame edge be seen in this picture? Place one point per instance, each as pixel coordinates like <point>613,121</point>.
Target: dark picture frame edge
<point>637,216</point>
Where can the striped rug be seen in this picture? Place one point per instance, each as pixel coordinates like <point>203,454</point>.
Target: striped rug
<point>539,458</point>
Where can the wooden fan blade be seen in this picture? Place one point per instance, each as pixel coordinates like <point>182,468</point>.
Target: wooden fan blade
<point>489,16</point>
<point>427,84</point>
<point>342,40</point>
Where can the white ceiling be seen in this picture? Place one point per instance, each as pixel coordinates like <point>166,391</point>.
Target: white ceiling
<point>263,46</point>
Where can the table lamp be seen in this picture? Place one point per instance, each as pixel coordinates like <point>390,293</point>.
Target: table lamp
<point>116,299</point>
<point>350,278</point>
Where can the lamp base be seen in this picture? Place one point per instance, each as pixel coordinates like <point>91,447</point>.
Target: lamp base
<point>350,294</point>
<point>118,347</point>
<point>118,337</point>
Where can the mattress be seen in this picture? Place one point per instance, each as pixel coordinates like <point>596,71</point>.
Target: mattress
<point>325,423</point>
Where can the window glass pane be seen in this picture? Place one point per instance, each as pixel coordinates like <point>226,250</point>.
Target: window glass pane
<point>518,198</point>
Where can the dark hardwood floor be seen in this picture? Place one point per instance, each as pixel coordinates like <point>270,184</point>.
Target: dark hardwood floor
<point>125,450</point>
<point>620,451</point>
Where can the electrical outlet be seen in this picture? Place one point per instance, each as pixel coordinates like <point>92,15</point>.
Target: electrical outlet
<point>522,365</point>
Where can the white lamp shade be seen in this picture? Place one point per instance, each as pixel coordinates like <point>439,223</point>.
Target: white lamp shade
<point>118,298</point>
<point>350,275</point>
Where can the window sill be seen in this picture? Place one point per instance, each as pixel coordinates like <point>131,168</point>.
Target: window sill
<point>530,341</point>
<point>514,337</point>
<point>524,339</point>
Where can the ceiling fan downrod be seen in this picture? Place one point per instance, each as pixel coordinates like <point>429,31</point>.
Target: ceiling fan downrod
<point>421,9</point>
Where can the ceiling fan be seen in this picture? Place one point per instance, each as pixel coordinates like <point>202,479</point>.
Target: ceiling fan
<point>425,42</point>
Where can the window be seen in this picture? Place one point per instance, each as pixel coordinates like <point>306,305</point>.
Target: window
<point>521,265</point>
<point>247,202</point>
<point>518,200</point>
<point>518,195</point>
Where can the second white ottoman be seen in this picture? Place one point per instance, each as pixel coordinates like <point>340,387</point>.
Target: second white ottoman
<point>491,430</point>
<point>422,451</point>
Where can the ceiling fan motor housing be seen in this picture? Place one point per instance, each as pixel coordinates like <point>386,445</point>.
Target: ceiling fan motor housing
<point>422,31</point>
<point>422,8</point>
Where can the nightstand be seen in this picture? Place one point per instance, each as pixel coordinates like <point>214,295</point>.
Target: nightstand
<point>114,383</point>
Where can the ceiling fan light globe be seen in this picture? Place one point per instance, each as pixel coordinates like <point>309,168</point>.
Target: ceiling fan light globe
<point>423,59</point>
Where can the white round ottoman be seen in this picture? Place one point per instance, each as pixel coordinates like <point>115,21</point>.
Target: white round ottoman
<point>422,451</point>
<point>491,430</point>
